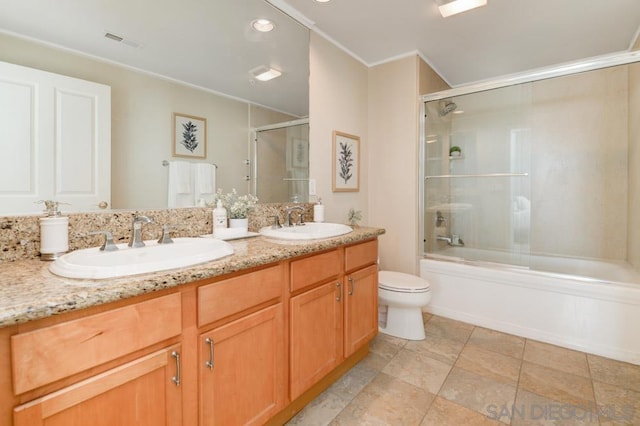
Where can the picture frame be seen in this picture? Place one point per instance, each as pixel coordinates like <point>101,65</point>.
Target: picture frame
<point>189,136</point>
<point>299,154</point>
<point>346,162</point>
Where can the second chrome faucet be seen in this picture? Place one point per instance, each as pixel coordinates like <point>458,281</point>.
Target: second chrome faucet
<point>136,231</point>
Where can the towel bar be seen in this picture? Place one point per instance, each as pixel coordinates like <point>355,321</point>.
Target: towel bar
<point>165,163</point>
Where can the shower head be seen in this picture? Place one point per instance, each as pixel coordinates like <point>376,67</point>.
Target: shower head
<point>447,107</point>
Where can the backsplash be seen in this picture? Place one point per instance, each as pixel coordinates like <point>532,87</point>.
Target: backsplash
<point>20,235</point>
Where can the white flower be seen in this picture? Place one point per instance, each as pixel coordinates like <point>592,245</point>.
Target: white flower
<point>238,206</point>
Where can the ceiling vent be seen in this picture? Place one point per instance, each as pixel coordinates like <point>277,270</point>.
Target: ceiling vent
<point>120,39</point>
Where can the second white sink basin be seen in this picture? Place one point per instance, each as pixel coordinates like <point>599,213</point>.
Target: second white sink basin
<point>309,231</point>
<point>95,264</point>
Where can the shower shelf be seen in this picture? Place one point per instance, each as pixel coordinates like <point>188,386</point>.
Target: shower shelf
<point>478,175</point>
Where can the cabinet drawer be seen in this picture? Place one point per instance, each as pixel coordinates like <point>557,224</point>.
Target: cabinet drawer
<point>361,255</point>
<point>314,269</point>
<point>228,297</point>
<point>52,353</point>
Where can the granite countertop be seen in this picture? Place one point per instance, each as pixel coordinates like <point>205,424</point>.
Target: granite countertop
<point>28,291</point>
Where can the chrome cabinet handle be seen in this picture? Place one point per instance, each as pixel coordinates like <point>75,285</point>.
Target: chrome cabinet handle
<point>176,379</point>
<point>339,287</point>
<point>209,364</point>
<point>350,289</point>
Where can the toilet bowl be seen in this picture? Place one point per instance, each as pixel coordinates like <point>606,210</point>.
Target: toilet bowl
<point>402,296</point>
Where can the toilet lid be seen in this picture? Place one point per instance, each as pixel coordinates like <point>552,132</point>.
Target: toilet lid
<point>399,281</point>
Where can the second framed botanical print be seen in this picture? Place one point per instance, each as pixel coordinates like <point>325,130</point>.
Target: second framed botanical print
<point>346,162</point>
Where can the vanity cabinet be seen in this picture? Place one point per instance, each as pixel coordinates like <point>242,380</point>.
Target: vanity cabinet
<point>336,316</point>
<point>250,347</point>
<point>145,391</point>
<point>316,335</point>
<point>242,362</point>
<point>361,295</point>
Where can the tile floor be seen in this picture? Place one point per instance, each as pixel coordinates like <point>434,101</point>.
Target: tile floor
<point>467,375</point>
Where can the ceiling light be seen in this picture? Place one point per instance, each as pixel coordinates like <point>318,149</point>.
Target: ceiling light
<point>323,1</point>
<point>452,7</point>
<point>262,25</point>
<point>264,73</point>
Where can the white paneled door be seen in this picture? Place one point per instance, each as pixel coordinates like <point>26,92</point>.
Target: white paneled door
<point>55,141</point>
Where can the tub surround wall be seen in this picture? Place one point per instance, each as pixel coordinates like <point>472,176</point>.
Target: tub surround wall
<point>20,235</point>
<point>579,164</point>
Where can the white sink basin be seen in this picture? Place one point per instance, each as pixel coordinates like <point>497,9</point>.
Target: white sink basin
<point>95,264</point>
<point>309,231</point>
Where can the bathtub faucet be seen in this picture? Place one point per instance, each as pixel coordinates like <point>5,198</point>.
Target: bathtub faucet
<point>453,240</point>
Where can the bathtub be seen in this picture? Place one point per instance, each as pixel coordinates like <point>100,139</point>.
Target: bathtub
<point>598,315</point>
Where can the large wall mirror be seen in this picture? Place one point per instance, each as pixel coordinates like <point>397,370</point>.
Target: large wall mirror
<point>197,57</point>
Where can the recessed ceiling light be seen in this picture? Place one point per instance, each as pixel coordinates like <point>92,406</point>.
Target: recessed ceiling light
<point>323,1</point>
<point>453,7</point>
<point>263,25</point>
<point>264,73</point>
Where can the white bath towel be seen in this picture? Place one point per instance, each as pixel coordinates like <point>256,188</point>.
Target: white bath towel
<point>180,187</point>
<point>205,181</point>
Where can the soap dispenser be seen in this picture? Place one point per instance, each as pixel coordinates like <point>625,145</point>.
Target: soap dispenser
<point>219,217</point>
<point>318,211</point>
<point>54,232</point>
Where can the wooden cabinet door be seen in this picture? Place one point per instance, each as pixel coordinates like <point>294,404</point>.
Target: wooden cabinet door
<point>316,335</point>
<point>141,392</point>
<point>361,308</point>
<point>242,368</point>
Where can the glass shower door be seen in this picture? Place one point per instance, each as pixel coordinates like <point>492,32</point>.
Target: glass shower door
<point>282,164</point>
<point>477,190</point>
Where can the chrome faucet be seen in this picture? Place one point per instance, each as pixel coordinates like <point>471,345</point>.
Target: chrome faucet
<point>136,231</point>
<point>453,240</point>
<point>443,238</point>
<point>287,215</point>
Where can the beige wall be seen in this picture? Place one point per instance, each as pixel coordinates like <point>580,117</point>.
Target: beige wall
<point>381,106</point>
<point>633,241</point>
<point>338,101</point>
<point>142,107</point>
<point>394,90</point>
<point>393,203</point>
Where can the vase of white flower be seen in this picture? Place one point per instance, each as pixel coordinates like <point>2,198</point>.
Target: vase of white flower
<point>238,207</point>
<point>239,223</point>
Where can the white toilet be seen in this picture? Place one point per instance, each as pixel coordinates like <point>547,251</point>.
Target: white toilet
<point>403,296</point>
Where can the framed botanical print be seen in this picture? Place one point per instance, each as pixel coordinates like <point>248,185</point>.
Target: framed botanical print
<point>346,162</point>
<point>189,136</point>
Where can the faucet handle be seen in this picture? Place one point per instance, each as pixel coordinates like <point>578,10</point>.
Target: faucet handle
<point>108,245</point>
<point>276,222</point>
<point>165,238</point>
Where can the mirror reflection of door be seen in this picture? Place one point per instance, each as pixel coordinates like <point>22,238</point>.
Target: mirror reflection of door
<point>281,158</point>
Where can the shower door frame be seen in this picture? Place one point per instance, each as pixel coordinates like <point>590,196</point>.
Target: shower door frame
<point>253,178</point>
<point>565,69</point>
